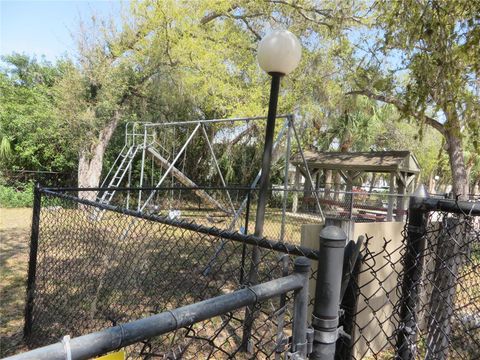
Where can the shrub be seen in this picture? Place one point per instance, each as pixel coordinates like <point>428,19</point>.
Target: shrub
<point>12,197</point>
<point>276,199</point>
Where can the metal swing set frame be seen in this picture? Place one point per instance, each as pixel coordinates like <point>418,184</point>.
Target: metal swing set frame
<point>141,138</point>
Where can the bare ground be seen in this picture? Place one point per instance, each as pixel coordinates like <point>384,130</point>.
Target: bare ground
<point>14,240</point>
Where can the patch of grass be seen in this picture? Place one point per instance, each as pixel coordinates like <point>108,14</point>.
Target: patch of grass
<point>14,244</point>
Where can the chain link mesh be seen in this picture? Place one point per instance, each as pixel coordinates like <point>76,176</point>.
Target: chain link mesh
<point>102,265</point>
<point>95,271</point>
<point>446,317</point>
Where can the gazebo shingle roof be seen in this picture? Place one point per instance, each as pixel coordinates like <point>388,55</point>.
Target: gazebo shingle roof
<point>373,161</point>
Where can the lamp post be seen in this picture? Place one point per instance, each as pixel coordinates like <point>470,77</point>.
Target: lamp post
<point>278,54</point>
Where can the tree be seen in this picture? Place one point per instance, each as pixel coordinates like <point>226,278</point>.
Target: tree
<point>97,92</point>
<point>438,45</point>
<point>32,135</point>
<point>199,55</point>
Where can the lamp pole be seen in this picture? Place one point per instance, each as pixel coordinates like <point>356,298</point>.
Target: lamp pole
<point>278,54</point>
<point>267,154</point>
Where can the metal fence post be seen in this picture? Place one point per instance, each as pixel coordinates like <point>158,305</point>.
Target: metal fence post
<point>32,262</point>
<point>245,232</point>
<point>412,268</point>
<point>327,293</point>
<point>349,293</point>
<point>349,305</point>
<point>300,309</point>
<point>264,183</point>
<point>449,250</point>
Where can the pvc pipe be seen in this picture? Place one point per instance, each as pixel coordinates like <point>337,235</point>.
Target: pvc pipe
<point>101,342</point>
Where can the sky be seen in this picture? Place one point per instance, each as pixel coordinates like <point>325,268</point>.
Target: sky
<point>44,27</point>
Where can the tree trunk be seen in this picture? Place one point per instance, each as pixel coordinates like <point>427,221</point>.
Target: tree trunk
<point>90,160</point>
<point>457,162</point>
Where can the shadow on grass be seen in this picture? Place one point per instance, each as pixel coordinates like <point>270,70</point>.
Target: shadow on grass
<point>13,274</point>
<point>95,274</point>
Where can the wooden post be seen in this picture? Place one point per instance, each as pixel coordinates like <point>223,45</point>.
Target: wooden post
<point>390,198</point>
<point>307,191</point>
<point>317,180</point>
<point>295,193</point>
<point>401,186</point>
<point>328,182</point>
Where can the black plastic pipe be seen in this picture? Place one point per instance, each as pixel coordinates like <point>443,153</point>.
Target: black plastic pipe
<point>327,292</point>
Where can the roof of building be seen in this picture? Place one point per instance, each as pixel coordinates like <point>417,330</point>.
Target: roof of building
<point>372,161</point>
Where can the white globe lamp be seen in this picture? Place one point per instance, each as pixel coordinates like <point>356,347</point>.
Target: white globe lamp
<point>279,52</point>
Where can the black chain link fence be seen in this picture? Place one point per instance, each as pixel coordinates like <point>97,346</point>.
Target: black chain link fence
<point>99,265</point>
<point>414,295</point>
<point>418,297</point>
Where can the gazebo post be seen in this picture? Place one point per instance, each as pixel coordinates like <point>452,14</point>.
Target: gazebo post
<point>390,197</point>
<point>328,182</point>
<point>401,186</point>
<point>295,192</point>
<point>317,180</point>
<point>349,196</point>
<point>308,189</point>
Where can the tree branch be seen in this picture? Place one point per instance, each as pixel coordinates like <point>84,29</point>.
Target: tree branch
<point>252,30</point>
<point>402,107</point>
<point>213,15</point>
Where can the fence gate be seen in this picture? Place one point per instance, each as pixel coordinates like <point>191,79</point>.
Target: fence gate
<point>418,298</point>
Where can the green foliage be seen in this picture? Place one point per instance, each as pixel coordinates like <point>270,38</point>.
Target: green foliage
<point>425,62</point>
<point>32,136</point>
<point>11,197</point>
<point>172,60</point>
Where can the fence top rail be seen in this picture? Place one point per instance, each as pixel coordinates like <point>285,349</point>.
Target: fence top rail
<point>150,188</point>
<point>227,188</point>
<point>101,342</point>
<point>450,205</point>
<point>183,224</point>
<point>332,191</point>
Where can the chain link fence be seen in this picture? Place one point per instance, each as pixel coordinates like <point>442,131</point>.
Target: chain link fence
<point>96,265</point>
<point>286,212</point>
<point>414,294</point>
<point>418,296</point>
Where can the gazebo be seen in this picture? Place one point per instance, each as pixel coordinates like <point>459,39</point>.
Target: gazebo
<point>401,168</point>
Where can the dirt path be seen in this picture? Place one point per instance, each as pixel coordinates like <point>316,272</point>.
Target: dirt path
<point>14,241</point>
